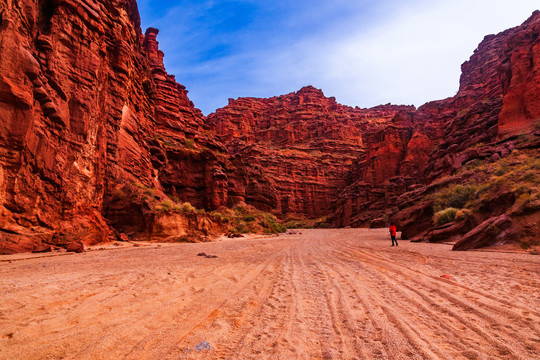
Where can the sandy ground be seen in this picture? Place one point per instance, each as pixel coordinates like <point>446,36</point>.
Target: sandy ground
<point>321,294</point>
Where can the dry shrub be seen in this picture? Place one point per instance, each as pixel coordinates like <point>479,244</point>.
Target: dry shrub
<point>445,216</point>
<point>463,214</point>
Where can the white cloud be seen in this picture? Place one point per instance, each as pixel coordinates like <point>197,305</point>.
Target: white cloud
<point>404,53</point>
<point>411,58</point>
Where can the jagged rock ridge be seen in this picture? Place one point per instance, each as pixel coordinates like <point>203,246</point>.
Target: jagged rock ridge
<point>96,137</point>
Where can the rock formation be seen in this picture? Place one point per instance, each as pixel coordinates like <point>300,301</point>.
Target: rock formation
<point>306,143</point>
<point>83,96</point>
<point>68,81</point>
<point>387,162</point>
<point>493,115</point>
<point>98,141</point>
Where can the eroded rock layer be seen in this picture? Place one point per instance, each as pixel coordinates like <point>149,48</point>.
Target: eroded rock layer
<point>83,96</point>
<point>308,145</point>
<point>364,167</point>
<point>98,141</point>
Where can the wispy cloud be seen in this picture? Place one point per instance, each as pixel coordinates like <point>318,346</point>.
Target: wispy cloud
<point>363,52</point>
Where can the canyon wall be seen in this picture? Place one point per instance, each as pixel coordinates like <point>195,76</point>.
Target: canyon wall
<point>84,100</point>
<point>99,142</point>
<point>306,143</point>
<point>365,167</point>
<point>74,111</point>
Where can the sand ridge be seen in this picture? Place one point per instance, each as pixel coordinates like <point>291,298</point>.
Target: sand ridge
<point>318,294</point>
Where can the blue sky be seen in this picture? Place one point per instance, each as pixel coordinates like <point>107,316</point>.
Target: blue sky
<point>363,52</point>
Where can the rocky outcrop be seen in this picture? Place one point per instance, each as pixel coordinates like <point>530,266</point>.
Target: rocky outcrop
<point>521,108</point>
<point>497,100</point>
<point>73,109</point>
<point>306,143</point>
<point>494,231</point>
<point>396,156</point>
<point>98,141</point>
<point>83,96</point>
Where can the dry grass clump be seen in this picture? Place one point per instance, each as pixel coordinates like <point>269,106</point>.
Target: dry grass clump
<point>168,205</point>
<point>518,173</point>
<point>445,216</point>
<point>244,219</point>
<point>463,214</point>
<point>454,196</point>
<point>299,222</point>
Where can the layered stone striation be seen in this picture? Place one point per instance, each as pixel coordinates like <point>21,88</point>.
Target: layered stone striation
<point>83,98</point>
<point>494,113</point>
<point>97,139</point>
<point>74,114</point>
<point>306,143</point>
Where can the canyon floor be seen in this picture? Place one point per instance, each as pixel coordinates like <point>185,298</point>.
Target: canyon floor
<point>317,294</point>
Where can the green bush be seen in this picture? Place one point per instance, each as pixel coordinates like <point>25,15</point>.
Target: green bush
<point>165,205</point>
<point>247,219</point>
<point>455,196</point>
<point>240,210</point>
<point>295,222</point>
<point>242,228</point>
<point>271,224</point>
<point>219,217</point>
<point>188,208</point>
<point>445,216</point>
<point>149,192</point>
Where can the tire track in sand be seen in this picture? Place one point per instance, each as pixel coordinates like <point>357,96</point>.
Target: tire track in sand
<point>325,294</point>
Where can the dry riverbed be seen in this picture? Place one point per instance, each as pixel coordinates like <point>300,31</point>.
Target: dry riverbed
<point>319,294</point>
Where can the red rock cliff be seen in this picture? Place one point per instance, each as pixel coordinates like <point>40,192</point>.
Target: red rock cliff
<point>83,98</point>
<point>96,136</point>
<point>306,143</point>
<point>73,109</point>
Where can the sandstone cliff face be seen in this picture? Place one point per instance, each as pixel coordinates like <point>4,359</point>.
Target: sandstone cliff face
<point>83,95</point>
<point>306,143</point>
<point>72,108</point>
<point>493,114</point>
<point>385,162</point>
<point>521,108</point>
<point>97,140</point>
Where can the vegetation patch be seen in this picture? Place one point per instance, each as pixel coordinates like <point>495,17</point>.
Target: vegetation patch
<point>243,219</point>
<point>168,205</point>
<point>146,191</point>
<point>463,214</point>
<point>298,222</point>
<point>529,244</point>
<point>445,216</point>
<point>517,174</point>
<point>455,196</point>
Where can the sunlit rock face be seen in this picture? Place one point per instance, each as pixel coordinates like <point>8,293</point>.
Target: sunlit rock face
<point>307,145</point>
<point>95,135</point>
<point>360,166</point>
<point>83,95</point>
<point>494,114</point>
<point>73,109</point>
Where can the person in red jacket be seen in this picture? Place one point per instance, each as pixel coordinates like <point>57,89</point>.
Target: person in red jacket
<point>393,231</point>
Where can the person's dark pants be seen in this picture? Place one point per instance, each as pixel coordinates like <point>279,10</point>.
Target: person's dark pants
<point>394,239</point>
